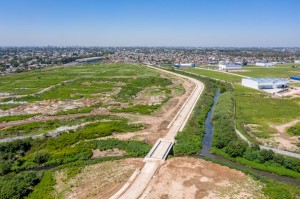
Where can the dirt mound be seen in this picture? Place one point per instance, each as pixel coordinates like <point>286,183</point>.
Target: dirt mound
<point>197,178</point>
<point>110,152</point>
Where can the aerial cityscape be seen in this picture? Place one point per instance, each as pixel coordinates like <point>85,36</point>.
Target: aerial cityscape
<point>128,99</point>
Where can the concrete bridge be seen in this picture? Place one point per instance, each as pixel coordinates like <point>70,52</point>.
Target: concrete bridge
<point>160,150</point>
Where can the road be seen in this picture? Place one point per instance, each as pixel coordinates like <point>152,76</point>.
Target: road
<point>159,152</point>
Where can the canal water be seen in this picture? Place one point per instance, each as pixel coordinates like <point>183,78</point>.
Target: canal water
<point>207,144</point>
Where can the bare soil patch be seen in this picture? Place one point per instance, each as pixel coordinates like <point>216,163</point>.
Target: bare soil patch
<point>196,178</point>
<point>292,92</point>
<point>282,140</point>
<point>100,180</point>
<point>109,152</point>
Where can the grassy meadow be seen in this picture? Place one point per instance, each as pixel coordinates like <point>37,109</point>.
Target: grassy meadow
<point>215,74</point>
<point>280,71</point>
<point>260,109</point>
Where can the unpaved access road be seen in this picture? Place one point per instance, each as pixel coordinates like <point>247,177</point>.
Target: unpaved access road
<point>140,183</point>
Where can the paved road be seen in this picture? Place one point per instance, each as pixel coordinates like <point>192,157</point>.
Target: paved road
<point>140,183</point>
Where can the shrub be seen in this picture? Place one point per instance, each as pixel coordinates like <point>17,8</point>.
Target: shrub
<point>236,148</point>
<point>4,168</point>
<point>264,155</point>
<point>44,188</point>
<point>41,157</point>
<point>17,186</point>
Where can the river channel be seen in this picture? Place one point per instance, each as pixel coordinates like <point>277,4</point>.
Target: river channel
<point>207,144</point>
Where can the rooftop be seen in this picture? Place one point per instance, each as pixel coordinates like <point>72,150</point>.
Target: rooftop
<point>267,80</point>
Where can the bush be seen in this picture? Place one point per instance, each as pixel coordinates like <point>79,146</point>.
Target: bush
<point>41,157</point>
<point>236,148</point>
<point>17,186</point>
<point>4,168</point>
<point>44,188</point>
<point>264,155</point>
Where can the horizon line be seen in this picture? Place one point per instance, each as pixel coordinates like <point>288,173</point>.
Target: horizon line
<point>139,46</point>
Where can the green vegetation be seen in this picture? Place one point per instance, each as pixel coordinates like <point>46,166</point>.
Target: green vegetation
<point>227,143</point>
<point>136,85</point>
<point>283,71</point>
<point>44,188</point>
<point>294,130</point>
<point>34,81</point>
<point>141,109</point>
<point>8,106</point>
<point>223,120</point>
<point>17,186</point>
<point>215,74</point>
<point>34,128</point>
<point>16,117</point>
<point>72,150</point>
<point>258,110</point>
<point>271,188</point>
<point>277,190</point>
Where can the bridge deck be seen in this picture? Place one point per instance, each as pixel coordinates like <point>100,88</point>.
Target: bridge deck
<point>160,150</point>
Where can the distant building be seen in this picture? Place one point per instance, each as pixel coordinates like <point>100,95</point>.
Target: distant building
<point>297,61</point>
<point>211,63</point>
<point>265,83</point>
<point>187,65</point>
<point>88,60</point>
<point>229,66</point>
<point>266,64</point>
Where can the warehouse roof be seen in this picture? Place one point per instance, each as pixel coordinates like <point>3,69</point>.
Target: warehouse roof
<point>268,80</point>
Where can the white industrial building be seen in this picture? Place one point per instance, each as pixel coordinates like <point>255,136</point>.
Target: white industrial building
<point>267,64</point>
<point>266,83</point>
<point>297,61</point>
<point>229,66</point>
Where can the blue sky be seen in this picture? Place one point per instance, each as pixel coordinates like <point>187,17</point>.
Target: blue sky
<point>206,23</point>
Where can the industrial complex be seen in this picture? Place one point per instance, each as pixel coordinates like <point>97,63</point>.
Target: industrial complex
<point>266,83</point>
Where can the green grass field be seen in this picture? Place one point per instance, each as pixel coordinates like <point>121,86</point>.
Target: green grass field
<point>121,82</point>
<point>281,71</point>
<point>215,74</point>
<point>259,108</point>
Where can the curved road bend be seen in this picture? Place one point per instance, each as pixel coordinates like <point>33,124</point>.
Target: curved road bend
<point>138,186</point>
